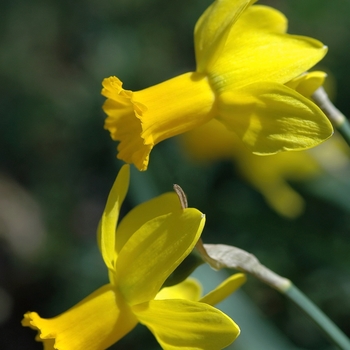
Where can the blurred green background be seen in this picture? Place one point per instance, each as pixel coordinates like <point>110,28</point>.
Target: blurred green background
<point>57,163</point>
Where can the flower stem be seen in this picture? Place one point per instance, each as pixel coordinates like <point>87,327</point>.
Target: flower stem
<point>337,118</point>
<point>238,259</point>
<point>329,328</point>
<point>344,130</point>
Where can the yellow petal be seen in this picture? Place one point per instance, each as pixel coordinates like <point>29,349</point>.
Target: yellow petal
<point>223,290</point>
<point>257,51</point>
<point>139,215</point>
<point>270,118</point>
<point>184,324</point>
<point>260,18</point>
<point>106,231</point>
<point>141,119</point>
<point>213,27</point>
<point>154,251</point>
<point>307,83</point>
<point>95,323</point>
<point>189,289</point>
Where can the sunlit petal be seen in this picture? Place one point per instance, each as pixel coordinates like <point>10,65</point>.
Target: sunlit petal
<point>213,27</point>
<point>106,231</point>
<point>270,118</point>
<point>184,324</point>
<point>154,251</point>
<point>257,51</point>
<point>95,323</point>
<point>139,215</point>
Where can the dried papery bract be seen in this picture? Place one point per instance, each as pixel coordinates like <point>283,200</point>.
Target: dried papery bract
<point>238,259</point>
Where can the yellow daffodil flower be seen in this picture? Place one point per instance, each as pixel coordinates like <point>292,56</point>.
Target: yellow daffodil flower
<point>147,246</point>
<point>244,59</point>
<point>269,175</point>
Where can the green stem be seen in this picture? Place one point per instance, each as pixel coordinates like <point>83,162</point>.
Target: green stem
<point>238,259</point>
<point>337,118</point>
<point>344,130</point>
<point>328,327</point>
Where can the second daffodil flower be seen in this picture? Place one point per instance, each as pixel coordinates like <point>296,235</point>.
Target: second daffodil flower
<point>269,175</point>
<point>148,245</point>
<point>244,57</point>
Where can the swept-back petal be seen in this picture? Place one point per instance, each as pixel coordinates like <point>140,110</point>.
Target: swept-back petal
<point>154,251</point>
<point>95,323</point>
<point>184,324</point>
<point>106,230</point>
<point>307,83</point>
<point>213,27</point>
<point>256,50</point>
<point>270,118</point>
<point>223,290</point>
<point>189,289</point>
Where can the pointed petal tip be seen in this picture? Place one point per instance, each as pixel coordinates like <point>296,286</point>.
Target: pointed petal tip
<point>106,231</point>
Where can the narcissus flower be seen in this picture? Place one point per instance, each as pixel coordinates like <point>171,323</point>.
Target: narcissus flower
<point>148,245</point>
<point>270,174</point>
<point>244,59</point>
